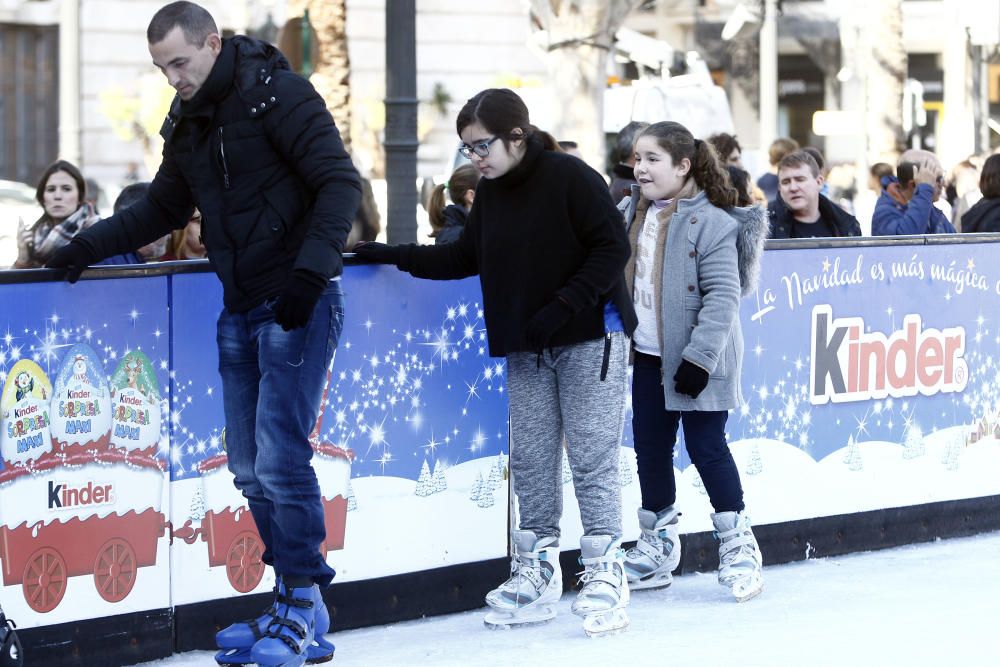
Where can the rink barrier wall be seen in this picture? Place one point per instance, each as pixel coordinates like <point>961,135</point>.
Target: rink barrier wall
<point>146,635</point>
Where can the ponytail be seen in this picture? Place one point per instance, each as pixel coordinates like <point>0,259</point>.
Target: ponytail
<point>711,176</point>
<point>435,209</point>
<point>548,141</point>
<point>706,168</point>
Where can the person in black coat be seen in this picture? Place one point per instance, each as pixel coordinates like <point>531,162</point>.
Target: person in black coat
<point>252,145</point>
<point>800,211</point>
<point>622,178</point>
<point>549,247</point>
<point>984,216</point>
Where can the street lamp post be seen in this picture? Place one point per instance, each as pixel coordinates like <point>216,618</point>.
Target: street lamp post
<point>401,120</point>
<point>769,74</point>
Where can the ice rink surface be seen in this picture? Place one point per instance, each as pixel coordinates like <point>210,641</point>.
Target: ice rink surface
<point>935,604</point>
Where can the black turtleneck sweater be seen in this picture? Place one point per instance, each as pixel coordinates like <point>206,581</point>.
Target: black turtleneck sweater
<point>546,229</point>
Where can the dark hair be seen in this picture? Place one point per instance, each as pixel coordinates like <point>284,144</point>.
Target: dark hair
<point>566,145</point>
<point>741,181</point>
<point>904,172</point>
<point>60,165</point>
<point>781,147</point>
<point>796,159</point>
<point>706,169</point>
<point>817,155</point>
<point>129,195</point>
<point>724,144</point>
<point>625,141</point>
<point>463,179</point>
<point>501,111</point>
<point>196,23</point>
<point>989,179</point>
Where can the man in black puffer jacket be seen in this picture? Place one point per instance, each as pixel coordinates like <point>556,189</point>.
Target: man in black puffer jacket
<point>252,145</point>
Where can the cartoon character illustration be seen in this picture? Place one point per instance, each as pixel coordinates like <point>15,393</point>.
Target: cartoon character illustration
<point>24,384</point>
<point>133,373</point>
<point>80,369</point>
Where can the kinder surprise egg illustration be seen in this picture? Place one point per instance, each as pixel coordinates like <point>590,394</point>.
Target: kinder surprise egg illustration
<point>81,402</point>
<point>135,418</point>
<point>25,406</point>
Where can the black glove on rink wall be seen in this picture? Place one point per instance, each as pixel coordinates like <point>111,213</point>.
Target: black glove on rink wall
<point>74,257</point>
<point>295,305</point>
<point>545,323</point>
<point>377,253</point>
<point>690,379</point>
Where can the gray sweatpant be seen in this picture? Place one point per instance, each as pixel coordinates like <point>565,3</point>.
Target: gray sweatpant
<point>565,394</point>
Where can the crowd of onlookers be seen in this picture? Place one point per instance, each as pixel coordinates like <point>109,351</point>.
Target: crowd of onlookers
<point>69,206</point>
<point>913,197</point>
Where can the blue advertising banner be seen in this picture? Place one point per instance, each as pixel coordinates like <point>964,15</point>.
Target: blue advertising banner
<point>84,443</point>
<point>871,379</point>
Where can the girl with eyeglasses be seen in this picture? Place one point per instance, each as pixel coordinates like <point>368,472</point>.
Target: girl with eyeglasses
<point>549,246</point>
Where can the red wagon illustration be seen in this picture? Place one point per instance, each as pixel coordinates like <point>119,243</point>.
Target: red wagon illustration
<point>89,535</point>
<point>228,528</point>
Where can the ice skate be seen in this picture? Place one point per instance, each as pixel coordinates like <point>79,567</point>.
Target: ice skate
<point>651,562</point>
<point>236,641</point>
<point>739,555</point>
<point>535,584</point>
<point>292,631</point>
<point>604,596</point>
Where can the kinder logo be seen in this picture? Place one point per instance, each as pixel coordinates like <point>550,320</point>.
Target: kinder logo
<point>849,364</point>
<point>63,496</point>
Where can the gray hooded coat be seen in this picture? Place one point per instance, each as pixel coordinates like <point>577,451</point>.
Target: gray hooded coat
<point>711,257</point>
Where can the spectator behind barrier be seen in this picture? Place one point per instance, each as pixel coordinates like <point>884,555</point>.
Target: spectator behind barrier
<point>570,147</point>
<point>907,206</point>
<point>984,216</point>
<point>61,193</point>
<point>622,178</point>
<point>728,148</point>
<point>186,243</point>
<point>962,190</point>
<point>780,147</point>
<point>447,222</point>
<point>129,195</point>
<point>800,211</point>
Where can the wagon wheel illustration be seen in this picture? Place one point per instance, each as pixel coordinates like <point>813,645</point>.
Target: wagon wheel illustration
<point>115,570</point>
<point>243,565</point>
<point>44,580</point>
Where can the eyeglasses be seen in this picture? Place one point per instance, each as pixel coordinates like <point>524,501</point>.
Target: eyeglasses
<point>482,149</point>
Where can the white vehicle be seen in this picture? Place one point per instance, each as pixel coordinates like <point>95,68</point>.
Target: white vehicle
<point>17,202</point>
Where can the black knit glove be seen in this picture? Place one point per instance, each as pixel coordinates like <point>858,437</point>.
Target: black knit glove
<point>74,258</point>
<point>690,379</point>
<point>545,323</point>
<point>377,253</point>
<point>294,307</point>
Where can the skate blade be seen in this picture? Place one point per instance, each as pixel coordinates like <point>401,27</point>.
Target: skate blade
<point>503,620</point>
<point>745,596</point>
<point>653,582</point>
<point>608,624</point>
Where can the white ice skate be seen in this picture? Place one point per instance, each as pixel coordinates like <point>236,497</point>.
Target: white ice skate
<point>535,584</point>
<point>651,562</point>
<point>739,555</point>
<point>604,596</point>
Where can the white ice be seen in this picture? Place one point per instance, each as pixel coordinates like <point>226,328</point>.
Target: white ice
<point>933,604</point>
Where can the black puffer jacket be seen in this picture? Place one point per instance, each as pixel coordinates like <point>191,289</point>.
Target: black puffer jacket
<point>258,153</point>
<point>984,216</point>
<point>783,222</point>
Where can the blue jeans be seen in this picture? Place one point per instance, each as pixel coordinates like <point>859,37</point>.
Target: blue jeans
<point>272,384</point>
<point>654,431</point>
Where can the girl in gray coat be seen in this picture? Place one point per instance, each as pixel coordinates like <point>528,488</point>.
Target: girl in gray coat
<point>693,254</point>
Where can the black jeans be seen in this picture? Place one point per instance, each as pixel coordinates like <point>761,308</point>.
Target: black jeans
<point>654,430</point>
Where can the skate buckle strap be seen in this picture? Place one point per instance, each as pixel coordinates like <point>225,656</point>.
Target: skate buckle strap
<point>650,551</point>
<point>295,627</point>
